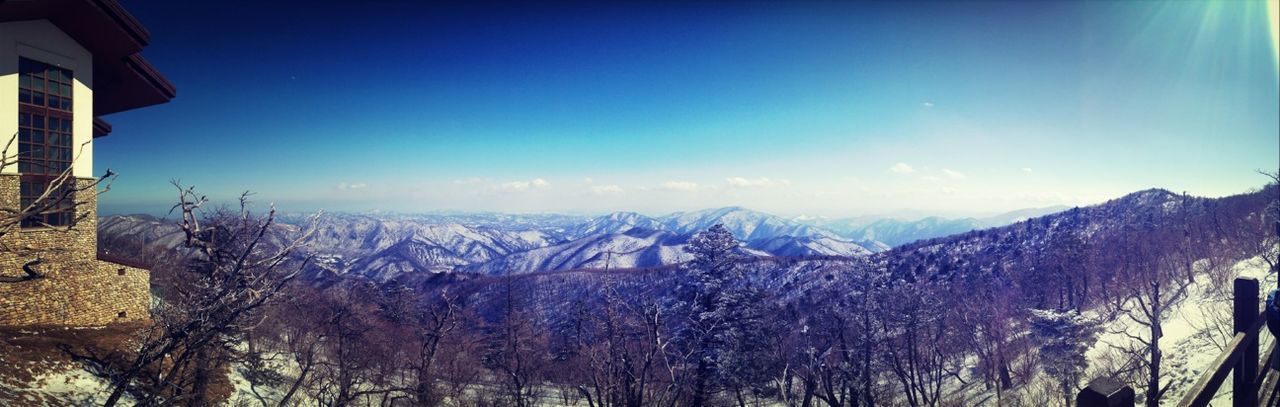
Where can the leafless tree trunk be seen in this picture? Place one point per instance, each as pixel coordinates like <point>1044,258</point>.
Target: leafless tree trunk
<point>234,272</point>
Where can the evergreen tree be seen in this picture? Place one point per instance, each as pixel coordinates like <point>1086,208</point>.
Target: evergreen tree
<point>723,325</point>
<point>1065,337</point>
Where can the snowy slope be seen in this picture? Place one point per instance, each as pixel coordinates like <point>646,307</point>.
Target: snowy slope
<point>634,248</point>
<point>746,225</point>
<point>811,246</point>
<point>382,246</point>
<point>617,222</point>
<point>1194,333</point>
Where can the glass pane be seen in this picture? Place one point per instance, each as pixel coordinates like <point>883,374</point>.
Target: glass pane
<point>23,166</point>
<point>37,85</point>
<point>66,125</point>
<point>37,121</point>
<point>24,119</point>
<point>37,136</point>
<point>37,99</point>
<point>24,81</point>
<point>66,104</point>
<point>24,135</point>
<point>24,96</point>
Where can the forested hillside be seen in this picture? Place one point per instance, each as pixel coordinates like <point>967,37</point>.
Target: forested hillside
<point>958,320</point>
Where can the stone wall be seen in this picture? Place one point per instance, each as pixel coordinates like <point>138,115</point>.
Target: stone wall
<point>78,289</point>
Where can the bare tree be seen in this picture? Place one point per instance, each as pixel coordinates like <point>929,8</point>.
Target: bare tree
<point>434,328</point>
<point>516,347</point>
<point>1158,277</point>
<point>359,359</point>
<point>235,269</point>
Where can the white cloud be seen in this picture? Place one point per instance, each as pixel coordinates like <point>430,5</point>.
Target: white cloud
<point>588,180</point>
<point>928,104</point>
<point>764,182</point>
<point>679,186</point>
<point>1026,170</point>
<point>606,189</point>
<point>902,168</point>
<point>354,185</point>
<point>953,174</point>
<point>536,183</point>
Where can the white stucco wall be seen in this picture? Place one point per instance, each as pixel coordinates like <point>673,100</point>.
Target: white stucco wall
<point>42,41</point>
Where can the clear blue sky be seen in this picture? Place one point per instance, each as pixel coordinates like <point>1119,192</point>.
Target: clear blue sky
<point>811,108</point>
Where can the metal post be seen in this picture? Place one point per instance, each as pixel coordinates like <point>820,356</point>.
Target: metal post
<point>1245,372</point>
<point>1105,392</point>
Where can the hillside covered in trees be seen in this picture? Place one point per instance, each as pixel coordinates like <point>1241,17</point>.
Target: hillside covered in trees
<point>1008,315</point>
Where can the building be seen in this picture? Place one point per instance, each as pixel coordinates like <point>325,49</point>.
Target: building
<point>63,65</point>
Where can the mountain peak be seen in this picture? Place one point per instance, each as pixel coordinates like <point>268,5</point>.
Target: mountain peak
<point>1149,196</point>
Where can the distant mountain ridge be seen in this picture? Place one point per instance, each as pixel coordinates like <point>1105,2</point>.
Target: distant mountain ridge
<point>895,232</point>
<point>384,246</point>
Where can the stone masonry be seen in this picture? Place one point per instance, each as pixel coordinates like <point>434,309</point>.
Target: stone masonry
<point>78,289</point>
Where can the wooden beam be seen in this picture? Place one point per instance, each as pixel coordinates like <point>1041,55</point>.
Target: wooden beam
<point>1244,316</point>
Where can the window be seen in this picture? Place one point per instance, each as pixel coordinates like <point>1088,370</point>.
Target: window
<point>44,138</point>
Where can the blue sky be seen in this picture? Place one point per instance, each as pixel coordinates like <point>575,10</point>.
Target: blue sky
<point>810,108</point>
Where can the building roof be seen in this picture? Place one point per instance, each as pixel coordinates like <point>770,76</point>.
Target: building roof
<point>123,79</point>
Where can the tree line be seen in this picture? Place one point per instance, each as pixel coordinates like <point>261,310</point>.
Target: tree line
<point>1006,312</point>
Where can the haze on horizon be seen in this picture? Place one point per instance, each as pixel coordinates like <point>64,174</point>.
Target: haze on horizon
<point>818,109</point>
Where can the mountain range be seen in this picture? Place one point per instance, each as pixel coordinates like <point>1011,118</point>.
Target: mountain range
<point>896,231</point>
<point>383,246</point>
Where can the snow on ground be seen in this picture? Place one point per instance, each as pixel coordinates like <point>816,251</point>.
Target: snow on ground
<point>1194,334</point>
<point>71,386</point>
<point>1193,337</point>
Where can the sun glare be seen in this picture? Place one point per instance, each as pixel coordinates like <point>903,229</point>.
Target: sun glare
<point>1273,20</point>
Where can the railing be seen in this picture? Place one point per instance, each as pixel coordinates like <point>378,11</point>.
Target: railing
<point>1240,358</point>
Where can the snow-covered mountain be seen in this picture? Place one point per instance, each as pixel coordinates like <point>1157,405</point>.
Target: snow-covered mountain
<point>747,225</point>
<point>617,222</point>
<point>636,247</point>
<point>813,246</point>
<point>382,246</point>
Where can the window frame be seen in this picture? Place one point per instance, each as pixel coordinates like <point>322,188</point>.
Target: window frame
<point>45,129</point>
